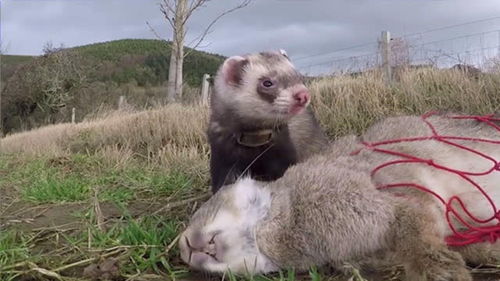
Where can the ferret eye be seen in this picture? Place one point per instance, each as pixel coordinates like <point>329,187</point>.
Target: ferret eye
<point>267,83</point>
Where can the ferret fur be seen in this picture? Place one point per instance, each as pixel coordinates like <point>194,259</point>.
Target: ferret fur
<point>239,105</point>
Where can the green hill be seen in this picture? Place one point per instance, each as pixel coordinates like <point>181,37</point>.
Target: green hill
<point>10,63</point>
<point>42,90</point>
<point>154,55</point>
<point>14,60</point>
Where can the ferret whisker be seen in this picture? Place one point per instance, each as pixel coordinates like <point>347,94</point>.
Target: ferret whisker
<point>253,161</point>
<point>229,172</point>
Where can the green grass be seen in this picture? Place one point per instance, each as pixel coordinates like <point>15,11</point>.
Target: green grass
<point>13,249</point>
<point>138,238</point>
<point>144,243</point>
<point>146,238</point>
<point>12,59</point>
<point>48,187</point>
<point>74,179</point>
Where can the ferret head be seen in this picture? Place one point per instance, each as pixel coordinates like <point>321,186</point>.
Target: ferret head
<point>221,234</point>
<point>262,87</point>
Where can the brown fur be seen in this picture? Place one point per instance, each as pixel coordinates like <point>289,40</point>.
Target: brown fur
<point>241,105</point>
<point>327,210</point>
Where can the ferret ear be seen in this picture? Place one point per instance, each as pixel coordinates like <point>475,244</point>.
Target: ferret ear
<point>233,69</point>
<point>283,53</point>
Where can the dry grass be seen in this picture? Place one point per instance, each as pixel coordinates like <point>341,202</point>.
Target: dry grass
<point>168,134</point>
<point>343,105</point>
<point>350,104</point>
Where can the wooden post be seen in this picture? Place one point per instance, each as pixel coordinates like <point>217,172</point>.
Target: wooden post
<point>385,42</point>
<point>73,115</point>
<point>121,100</point>
<point>205,85</point>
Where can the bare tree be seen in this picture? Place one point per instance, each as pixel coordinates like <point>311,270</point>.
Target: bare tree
<point>49,48</point>
<point>177,14</point>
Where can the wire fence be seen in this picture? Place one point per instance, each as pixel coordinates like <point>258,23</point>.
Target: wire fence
<point>434,47</point>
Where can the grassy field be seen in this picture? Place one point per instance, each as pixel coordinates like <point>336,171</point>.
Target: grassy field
<point>109,196</point>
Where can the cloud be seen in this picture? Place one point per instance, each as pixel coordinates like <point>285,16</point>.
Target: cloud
<point>302,27</point>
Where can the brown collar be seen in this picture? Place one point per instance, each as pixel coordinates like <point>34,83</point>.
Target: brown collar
<point>255,138</point>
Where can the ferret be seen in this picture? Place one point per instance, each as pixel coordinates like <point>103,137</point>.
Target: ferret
<point>260,122</point>
<point>330,209</point>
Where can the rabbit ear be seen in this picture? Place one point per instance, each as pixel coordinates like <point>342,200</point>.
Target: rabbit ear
<point>250,195</point>
<point>233,69</point>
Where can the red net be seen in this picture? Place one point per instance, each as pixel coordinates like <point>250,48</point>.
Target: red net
<point>479,232</point>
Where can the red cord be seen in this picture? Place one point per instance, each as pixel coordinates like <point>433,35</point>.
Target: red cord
<point>472,234</point>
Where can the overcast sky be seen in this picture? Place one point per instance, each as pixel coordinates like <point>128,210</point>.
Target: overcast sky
<point>311,31</point>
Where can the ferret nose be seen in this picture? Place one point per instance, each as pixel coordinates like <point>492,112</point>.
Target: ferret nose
<point>301,98</point>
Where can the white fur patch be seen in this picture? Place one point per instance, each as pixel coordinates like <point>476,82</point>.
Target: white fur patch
<point>252,198</point>
<point>251,202</point>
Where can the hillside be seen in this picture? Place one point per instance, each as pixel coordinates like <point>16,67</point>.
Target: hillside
<point>154,55</point>
<point>44,89</point>
<point>9,64</point>
<point>14,60</point>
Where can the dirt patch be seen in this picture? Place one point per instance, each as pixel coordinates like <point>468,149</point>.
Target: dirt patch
<point>104,270</point>
<point>48,225</point>
<point>27,217</point>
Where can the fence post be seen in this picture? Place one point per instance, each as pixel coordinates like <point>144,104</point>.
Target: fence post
<point>121,100</point>
<point>385,49</point>
<point>204,89</point>
<point>73,115</point>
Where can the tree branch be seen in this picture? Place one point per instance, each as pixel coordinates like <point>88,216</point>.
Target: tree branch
<point>194,5</point>
<point>154,31</point>
<point>168,11</point>
<point>168,6</point>
<point>207,30</point>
